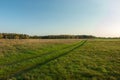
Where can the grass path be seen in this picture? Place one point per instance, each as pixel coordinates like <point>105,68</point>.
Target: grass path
<point>36,56</point>
<point>28,64</point>
<point>49,60</point>
<point>26,54</point>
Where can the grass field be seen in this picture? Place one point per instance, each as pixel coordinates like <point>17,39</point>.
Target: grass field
<point>60,59</point>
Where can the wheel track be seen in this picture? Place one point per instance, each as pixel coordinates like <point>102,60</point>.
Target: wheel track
<point>50,52</point>
<point>17,73</point>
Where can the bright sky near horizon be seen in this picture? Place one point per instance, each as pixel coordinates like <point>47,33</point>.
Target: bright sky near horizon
<point>50,17</point>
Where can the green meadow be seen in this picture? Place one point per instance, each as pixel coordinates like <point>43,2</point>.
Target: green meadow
<point>60,59</point>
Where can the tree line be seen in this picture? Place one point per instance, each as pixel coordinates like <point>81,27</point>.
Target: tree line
<point>13,36</point>
<point>25,36</point>
<point>67,37</point>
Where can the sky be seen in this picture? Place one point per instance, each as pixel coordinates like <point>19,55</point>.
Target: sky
<point>53,17</point>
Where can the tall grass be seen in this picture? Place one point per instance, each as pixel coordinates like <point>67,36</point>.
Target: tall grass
<point>60,60</point>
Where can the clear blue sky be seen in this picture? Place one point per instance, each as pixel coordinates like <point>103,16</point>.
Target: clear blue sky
<point>49,17</point>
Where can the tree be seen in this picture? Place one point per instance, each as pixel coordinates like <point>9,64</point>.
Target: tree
<point>1,36</point>
<point>16,37</point>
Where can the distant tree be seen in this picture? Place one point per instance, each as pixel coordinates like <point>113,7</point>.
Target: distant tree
<point>16,37</point>
<point>24,36</point>
<point>1,36</point>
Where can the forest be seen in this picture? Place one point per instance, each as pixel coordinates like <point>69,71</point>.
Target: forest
<point>25,36</point>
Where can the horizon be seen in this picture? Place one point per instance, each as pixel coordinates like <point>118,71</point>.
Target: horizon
<point>56,17</point>
<point>62,35</point>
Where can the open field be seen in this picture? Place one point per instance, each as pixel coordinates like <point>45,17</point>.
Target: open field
<point>60,59</point>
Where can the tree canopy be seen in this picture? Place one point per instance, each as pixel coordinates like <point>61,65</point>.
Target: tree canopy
<point>25,36</point>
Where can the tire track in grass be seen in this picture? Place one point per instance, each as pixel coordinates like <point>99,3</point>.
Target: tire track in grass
<point>27,60</point>
<point>48,59</point>
<point>47,53</point>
